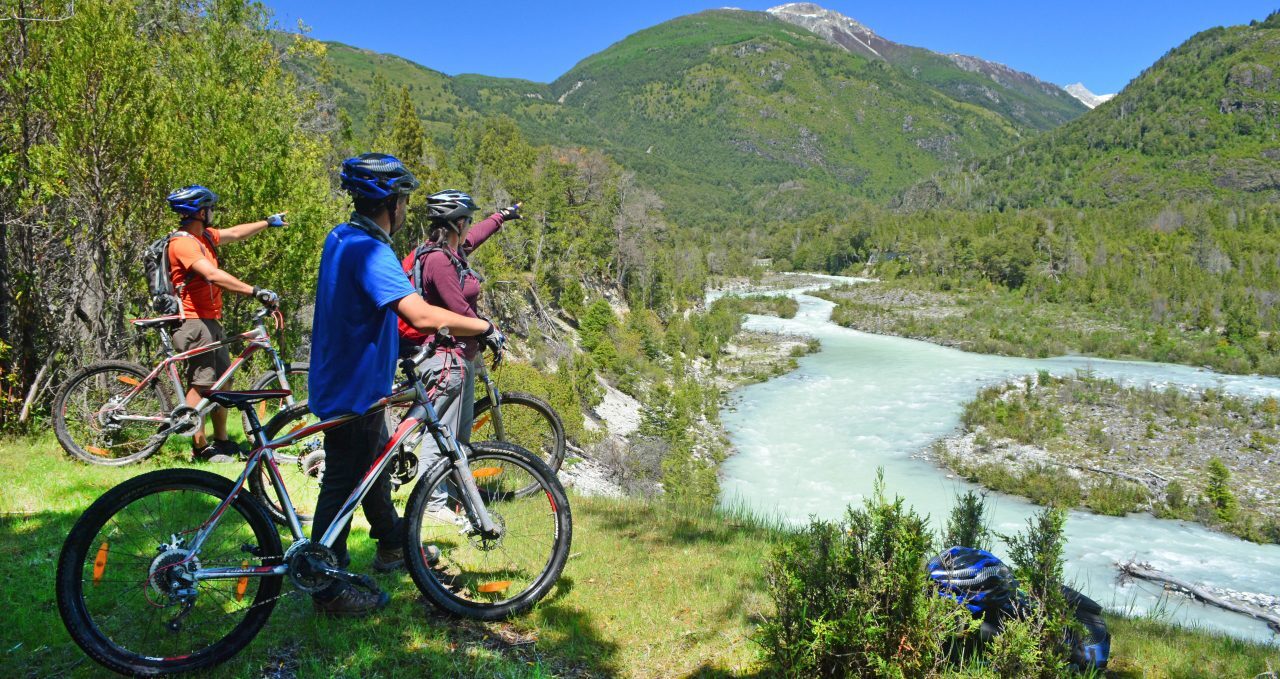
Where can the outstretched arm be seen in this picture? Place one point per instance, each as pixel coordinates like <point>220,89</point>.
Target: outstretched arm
<point>243,231</point>
<point>426,318</point>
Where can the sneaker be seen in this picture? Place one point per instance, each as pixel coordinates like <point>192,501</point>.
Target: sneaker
<point>218,452</point>
<point>352,601</point>
<point>388,559</point>
<point>432,554</point>
<point>446,516</point>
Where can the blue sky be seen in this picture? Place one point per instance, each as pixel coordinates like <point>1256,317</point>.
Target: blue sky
<point>1103,44</point>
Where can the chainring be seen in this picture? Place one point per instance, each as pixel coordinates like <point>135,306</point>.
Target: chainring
<point>185,421</point>
<point>300,571</point>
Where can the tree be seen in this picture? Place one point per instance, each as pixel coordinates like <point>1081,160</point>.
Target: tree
<point>1218,490</point>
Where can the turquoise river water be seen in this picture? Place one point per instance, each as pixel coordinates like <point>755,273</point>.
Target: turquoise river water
<point>808,444</point>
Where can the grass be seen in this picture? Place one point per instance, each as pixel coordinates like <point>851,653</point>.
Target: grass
<point>650,591</point>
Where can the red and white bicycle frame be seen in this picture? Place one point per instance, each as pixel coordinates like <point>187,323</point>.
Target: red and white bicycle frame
<point>258,339</point>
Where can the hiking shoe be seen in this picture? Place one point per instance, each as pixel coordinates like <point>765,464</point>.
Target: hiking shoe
<point>352,601</point>
<point>388,559</point>
<point>218,452</point>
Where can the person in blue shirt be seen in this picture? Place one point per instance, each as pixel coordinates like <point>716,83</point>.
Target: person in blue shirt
<point>360,293</point>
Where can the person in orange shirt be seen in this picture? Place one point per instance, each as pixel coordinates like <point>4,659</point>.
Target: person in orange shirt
<point>193,267</point>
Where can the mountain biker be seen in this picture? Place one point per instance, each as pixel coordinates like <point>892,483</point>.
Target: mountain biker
<point>196,276</point>
<point>360,292</point>
<point>446,279</point>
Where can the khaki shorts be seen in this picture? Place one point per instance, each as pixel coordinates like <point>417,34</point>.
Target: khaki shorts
<point>205,369</point>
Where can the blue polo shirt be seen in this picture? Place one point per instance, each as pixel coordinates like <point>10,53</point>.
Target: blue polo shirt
<point>354,343</point>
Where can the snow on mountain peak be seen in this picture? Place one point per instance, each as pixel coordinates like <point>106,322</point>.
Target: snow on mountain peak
<point>1079,91</point>
<point>829,24</point>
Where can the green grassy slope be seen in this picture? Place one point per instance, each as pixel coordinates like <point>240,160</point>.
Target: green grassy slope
<point>637,599</point>
<point>1203,122</point>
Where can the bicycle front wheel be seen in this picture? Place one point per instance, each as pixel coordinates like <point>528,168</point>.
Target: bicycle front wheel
<point>527,421</point>
<point>108,414</point>
<point>488,578</point>
<point>125,587</point>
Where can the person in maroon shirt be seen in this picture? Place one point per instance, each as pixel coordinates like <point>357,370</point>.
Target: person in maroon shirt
<point>442,275</point>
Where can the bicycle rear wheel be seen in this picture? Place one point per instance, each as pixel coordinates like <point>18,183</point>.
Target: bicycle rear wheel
<point>301,466</point>
<point>88,412</point>
<point>489,579</point>
<point>297,373</point>
<point>123,582</point>
<point>527,421</point>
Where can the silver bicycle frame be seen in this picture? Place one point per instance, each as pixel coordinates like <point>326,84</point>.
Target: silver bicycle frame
<point>422,414</point>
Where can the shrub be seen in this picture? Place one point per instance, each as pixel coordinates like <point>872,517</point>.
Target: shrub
<point>1037,557</point>
<point>852,598</point>
<point>967,525</point>
<point>1116,497</point>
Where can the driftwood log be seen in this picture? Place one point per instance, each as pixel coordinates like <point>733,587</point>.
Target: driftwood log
<point>1144,571</point>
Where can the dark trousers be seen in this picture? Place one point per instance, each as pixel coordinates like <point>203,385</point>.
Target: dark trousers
<point>349,451</point>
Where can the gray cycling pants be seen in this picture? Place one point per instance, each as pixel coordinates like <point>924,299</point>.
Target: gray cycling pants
<point>454,379</point>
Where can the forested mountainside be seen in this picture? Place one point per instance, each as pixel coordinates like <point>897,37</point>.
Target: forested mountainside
<point>729,113</point>
<point>1202,123</point>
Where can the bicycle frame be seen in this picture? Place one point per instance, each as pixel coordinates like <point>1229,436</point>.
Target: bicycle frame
<point>258,339</point>
<point>420,415</point>
<point>495,399</point>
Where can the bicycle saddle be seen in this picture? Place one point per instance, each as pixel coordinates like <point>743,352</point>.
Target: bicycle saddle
<point>156,322</point>
<point>236,399</point>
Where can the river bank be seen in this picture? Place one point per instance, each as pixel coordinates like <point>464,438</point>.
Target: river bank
<point>1201,456</point>
<point>1002,323</point>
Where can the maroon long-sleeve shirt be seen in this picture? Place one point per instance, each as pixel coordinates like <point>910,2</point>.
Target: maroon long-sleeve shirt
<point>441,287</point>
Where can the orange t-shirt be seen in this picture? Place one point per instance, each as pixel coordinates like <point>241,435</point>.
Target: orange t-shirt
<point>200,299</point>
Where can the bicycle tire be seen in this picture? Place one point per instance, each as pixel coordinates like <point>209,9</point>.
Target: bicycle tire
<point>550,452</point>
<point>306,452</point>
<point>268,409</point>
<point>81,541</point>
<point>439,584</point>
<point>81,450</point>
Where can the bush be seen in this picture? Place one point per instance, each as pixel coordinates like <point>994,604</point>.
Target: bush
<point>1036,557</point>
<point>852,598</point>
<point>1116,497</point>
<point>967,526</point>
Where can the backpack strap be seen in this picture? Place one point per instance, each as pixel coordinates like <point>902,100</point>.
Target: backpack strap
<point>204,243</point>
<point>420,263</point>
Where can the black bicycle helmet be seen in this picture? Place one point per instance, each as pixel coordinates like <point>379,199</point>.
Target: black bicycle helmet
<point>376,176</point>
<point>449,205</point>
<point>974,577</point>
<point>189,200</point>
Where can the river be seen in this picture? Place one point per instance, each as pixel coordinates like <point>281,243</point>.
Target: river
<point>809,442</point>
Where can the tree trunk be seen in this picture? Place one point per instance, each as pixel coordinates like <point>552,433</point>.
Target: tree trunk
<point>1144,571</point>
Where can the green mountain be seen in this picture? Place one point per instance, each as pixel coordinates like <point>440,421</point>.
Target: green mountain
<point>1203,122</point>
<point>726,113</point>
<point>1024,100</point>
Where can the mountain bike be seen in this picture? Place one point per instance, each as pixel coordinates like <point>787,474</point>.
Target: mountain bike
<point>179,569</point>
<point>519,418</point>
<point>117,412</point>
